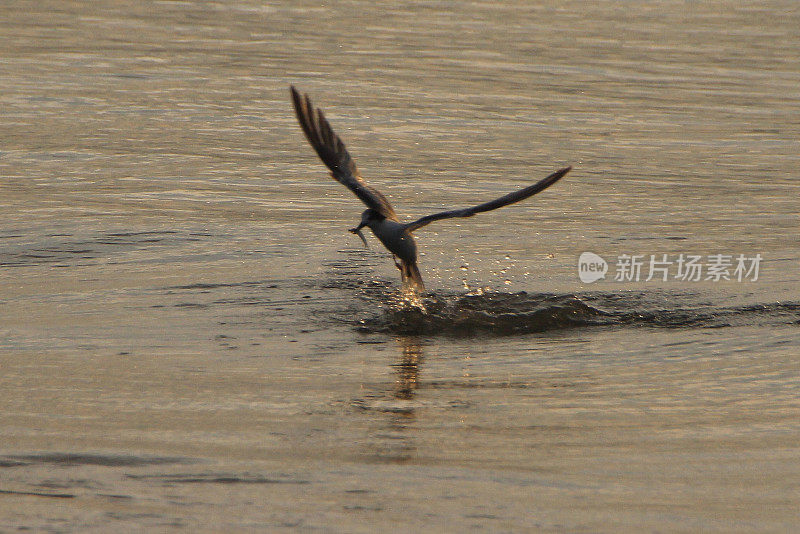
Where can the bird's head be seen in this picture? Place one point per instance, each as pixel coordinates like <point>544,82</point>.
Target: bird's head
<point>369,217</point>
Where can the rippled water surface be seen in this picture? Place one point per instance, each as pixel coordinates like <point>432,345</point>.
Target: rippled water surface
<point>191,340</point>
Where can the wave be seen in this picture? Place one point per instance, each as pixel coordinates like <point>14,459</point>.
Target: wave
<point>503,314</point>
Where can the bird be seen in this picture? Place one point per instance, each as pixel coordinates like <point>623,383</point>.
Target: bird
<point>379,216</point>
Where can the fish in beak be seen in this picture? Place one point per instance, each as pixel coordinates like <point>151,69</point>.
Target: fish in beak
<point>359,233</point>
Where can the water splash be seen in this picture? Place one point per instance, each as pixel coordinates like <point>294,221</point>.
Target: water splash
<point>496,313</point>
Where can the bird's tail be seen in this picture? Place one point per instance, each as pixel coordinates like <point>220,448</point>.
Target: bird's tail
<point>411,277</point>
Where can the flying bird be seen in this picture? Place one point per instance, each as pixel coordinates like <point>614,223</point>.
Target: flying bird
<point>379,216</point>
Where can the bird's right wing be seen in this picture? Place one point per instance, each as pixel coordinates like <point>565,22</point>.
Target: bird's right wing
<point>510,198</point>
<point>332,152</point>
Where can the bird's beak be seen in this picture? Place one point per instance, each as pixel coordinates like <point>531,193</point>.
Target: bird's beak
<point>357,231</point>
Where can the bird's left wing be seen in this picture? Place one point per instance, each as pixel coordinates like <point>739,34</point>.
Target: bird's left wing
<point>510,198</point>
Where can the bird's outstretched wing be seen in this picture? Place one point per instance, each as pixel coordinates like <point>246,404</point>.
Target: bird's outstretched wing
<point>333,153</point>
<point>510,198</point>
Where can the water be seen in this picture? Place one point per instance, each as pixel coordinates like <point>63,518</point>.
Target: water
<point>191,339</point>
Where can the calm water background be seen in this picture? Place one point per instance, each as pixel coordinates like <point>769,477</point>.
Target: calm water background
<point>191,339</point>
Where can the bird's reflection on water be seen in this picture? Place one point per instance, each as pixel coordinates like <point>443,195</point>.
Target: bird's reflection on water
<point>407,369</point>
<point>393,405</point>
